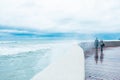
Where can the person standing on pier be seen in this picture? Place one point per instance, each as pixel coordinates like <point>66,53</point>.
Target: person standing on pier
<point>96,43</point>
<point>101,45</point>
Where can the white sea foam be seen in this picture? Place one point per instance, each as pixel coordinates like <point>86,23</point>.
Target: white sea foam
<point>67,60</point>
<point>10,49</point>
<point>67,64</point>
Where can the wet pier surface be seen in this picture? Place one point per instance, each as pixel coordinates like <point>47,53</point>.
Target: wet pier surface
<point>103,65</point>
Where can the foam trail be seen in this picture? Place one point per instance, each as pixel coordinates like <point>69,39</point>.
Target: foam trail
<point>69,66</point>
<point>11,49</point>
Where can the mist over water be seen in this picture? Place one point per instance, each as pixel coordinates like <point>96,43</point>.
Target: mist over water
<point>21,60</point>
<point>22,65</point>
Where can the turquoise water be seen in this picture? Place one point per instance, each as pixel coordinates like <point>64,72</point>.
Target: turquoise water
<point>23,66</point>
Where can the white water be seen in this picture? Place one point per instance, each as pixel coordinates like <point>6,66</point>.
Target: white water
<point>66,61</point>
<point>67,64</point>
<point>7,48</point>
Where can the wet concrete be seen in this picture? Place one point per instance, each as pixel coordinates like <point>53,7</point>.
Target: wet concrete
<point>103,65</point>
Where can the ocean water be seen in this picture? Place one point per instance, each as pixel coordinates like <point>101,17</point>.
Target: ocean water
<point>22,60</point>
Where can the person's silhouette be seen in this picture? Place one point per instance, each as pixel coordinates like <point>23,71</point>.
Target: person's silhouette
<point>101,45</point>
<point>96,44</point>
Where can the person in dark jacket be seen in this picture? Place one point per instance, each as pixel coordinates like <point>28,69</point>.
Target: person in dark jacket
<point>102,45</point>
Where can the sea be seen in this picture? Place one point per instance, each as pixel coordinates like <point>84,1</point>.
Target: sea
<point>21,60</point>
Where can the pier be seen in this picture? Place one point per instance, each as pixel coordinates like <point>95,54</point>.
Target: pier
<point>103,65</point>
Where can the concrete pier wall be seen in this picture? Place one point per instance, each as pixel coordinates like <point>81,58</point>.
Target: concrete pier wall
<point>112,43</point>
<point>88,47</point>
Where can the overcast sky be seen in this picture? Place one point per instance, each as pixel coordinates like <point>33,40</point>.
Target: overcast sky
<point>62,15</point>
